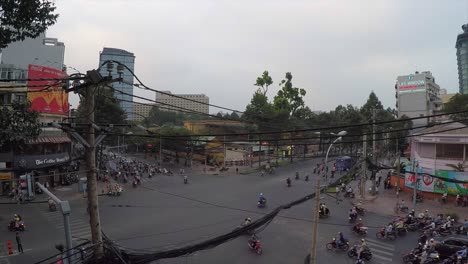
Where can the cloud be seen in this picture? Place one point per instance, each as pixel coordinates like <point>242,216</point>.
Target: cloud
<point>338,50</point>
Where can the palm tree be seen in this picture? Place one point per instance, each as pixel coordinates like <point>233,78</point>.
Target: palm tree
<point>460,166</point>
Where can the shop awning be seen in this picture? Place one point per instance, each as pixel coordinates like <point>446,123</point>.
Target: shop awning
<point>53,140</point>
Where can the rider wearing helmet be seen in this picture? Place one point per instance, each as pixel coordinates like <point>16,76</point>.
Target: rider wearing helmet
<point>341,240</point>
<point>247,221</point>
<point>261,199</point>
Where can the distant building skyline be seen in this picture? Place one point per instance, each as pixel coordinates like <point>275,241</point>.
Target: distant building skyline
<point>127,58</point>
<point>179,102</point>
<point>141,111</point>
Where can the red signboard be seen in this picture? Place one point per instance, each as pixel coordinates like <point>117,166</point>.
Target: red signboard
<point>54,100</point>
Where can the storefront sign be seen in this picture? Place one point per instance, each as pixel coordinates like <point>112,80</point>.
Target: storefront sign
<point>5,175</point>
<point>41,161</point>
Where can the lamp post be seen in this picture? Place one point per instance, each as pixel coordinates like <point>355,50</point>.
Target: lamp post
<point>340,136</point>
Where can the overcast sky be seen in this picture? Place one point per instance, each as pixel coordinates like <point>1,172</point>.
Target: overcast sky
<point>338,50</point>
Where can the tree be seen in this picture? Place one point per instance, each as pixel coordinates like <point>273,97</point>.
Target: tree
<point>259,111</point>
<point>372,103</point>
<point>263,82</point>
<point>20,19</point>
<point>18,124</point>
<point>289,99</point>
<point>457,103</point>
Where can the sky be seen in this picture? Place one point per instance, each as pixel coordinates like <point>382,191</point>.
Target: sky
<point>337,50</point>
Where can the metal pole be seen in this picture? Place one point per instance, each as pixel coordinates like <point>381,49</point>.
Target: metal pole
<point>398,172</point>
<point>374,150</point>
<point>66,210</point>
<point>415,169</point>
<point>224,145</point>
<point>313,251</point>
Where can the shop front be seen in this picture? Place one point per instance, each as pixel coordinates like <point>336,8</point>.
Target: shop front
<point>42,165</point>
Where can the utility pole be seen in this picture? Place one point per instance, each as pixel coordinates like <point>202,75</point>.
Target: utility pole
<point>364,169</point>
<point>398,172</point>
<point>374,154</point>
<point>260,153</point>
<point>93,205</point>
<point>415,169</point>
<point>313,258</point>
<point>160,149</point>
<point>224,145</point>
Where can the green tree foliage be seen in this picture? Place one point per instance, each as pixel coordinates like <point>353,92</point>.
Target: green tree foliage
<point>20,19</point>
<point>158,117</point>
<point>289,99</point>
<point>259,111</point>
<point>457,103</point>
<point>18,124</point>
<point>263,82</point>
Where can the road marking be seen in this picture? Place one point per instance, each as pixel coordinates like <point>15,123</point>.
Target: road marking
<point>381,251</point>
<point>382,244</point>
<point>382,257</point>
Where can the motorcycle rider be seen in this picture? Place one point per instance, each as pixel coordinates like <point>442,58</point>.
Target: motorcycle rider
<point>288,181</point>
<point>253,241</point>
<point>388,229</point>
<point>358,225</point>
<point>444,197</point>
<point>349,191</point>
<point>185,179</point>
<point>353,213</point>
<point>413,213</point>
<point>362,248</point>
<point>261,199</point>
<point>323,209</point>
<point>247,221</point>
<point>341,240</point>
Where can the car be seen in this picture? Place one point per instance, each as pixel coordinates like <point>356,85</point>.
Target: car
<point>450,246</point>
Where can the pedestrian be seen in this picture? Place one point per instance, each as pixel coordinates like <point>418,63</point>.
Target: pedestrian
<point>18,241</point>
<point>237,170</point>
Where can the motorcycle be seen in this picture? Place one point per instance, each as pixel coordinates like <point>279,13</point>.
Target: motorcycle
<point>365,254</point>
<point>288,183</point>
<point>16,227</point>
<point>362,231</point>
<point>411,258</point>
<point>134,184</point>
<point>432,258</point>
<point>254,244</point>
<point>360,210</point>
<point>352,219</point>
<point>324,213</point>
<point>381,234</point>
<point>185,180</point>
<point>307,178</point>
<point>261,204</point>
<point>334,245</point>
<point>401,231</point>
<point>349,195</point>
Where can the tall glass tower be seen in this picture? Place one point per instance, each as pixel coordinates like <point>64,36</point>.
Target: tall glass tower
<point>128,59</point>
<point>462,59</point>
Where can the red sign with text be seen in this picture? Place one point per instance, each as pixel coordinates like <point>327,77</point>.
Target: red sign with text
<point>47,99</point>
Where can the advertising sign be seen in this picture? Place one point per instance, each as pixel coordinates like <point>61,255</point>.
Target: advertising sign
<point>40,161</point>
<point>54,100</point>
<point>436,185</point>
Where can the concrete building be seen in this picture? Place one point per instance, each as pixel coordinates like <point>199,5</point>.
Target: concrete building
<point>49,153</point>
<point>141,111</point>
<point>128,59</point>
<point>417,95</point>
<point>462,60</point>
<point>42,51</point>
<point>185,101</point>
<point>442,151</point>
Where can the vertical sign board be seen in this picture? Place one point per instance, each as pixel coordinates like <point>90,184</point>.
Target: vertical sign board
<point>53,100</point>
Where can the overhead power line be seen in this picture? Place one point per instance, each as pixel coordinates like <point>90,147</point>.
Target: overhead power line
<point>43,79</point>
<point>165,93</point>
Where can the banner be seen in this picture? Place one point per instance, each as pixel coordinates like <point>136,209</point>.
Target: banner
<point>431,184</point>
<point>53,101</point>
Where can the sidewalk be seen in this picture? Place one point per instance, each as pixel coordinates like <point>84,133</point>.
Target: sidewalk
<point>385,202</point>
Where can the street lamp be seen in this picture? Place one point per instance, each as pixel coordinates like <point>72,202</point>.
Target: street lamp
<point>340,136</point>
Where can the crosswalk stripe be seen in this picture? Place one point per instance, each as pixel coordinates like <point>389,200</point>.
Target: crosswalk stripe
<point>381,251</point>
<point>383,258</point>
<point>373,241</point>
<point>380,246</point>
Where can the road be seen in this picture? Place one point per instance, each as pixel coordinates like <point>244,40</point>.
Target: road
<point>163,213</point>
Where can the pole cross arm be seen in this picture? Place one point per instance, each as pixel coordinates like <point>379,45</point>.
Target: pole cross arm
<point>64,205</point>
<point>99,139</point>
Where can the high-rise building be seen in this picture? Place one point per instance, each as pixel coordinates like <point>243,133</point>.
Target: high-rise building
<point>183,102</point>
<point>417,95</point>
<point>43,51</point>
<point>141,111</point>
<point>462,60</point>
<point>126,87</point>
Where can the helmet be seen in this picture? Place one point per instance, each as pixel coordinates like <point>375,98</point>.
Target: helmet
<point>363,240</point>
<point>432,240</point>
<point>412,210</point>
<point>360,219</point>
<point>427,211</point>
<point>249,219</point>
<point>261,194</point>
<point>339,233</point>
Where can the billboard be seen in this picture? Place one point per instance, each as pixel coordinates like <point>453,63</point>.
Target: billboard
<point>53,101</point>
<point>439,185</point>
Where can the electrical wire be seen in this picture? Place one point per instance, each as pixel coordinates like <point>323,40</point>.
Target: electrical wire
<point>165,93</point>
<point>43,79</point>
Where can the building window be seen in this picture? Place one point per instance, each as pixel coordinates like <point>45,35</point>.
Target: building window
<point>449,151</point>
